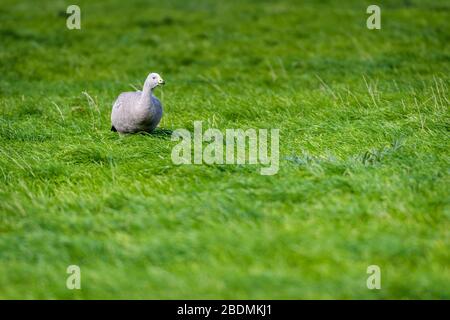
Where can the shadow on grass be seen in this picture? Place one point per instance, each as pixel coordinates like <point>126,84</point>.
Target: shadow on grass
<point>159,133</point>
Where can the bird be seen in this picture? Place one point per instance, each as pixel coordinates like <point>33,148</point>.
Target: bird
<point>138,111</point>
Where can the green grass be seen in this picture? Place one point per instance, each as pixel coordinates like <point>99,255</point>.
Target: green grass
<point>364,150</point>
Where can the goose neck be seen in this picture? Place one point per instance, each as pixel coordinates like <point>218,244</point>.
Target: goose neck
<point>147,92</point>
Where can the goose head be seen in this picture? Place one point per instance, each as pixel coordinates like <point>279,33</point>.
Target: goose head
<point>154,80</point>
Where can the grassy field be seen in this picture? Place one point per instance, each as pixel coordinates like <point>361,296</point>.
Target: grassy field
<point>364,150</point>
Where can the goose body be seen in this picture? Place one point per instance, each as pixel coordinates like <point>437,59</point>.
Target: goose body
<point>138,111</point>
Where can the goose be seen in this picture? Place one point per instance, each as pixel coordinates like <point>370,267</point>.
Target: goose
<point>138,111</point>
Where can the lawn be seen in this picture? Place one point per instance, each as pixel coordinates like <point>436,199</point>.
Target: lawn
<point>364,150</point>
